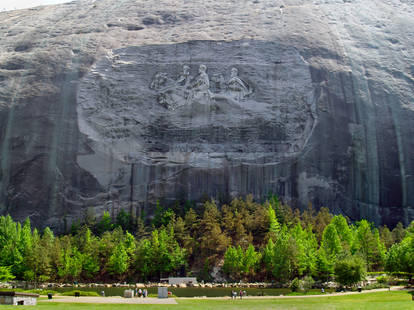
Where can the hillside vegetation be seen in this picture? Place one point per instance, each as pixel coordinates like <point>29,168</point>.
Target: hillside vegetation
<point>246,240</point>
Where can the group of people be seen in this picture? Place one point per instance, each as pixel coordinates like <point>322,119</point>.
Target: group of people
<point>241,294</point>
<point>141,293</point>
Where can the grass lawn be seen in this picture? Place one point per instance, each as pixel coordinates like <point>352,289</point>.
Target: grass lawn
<point>399,300</point>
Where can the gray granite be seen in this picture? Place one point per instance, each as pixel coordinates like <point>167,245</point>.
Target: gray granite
<point>112,105</point>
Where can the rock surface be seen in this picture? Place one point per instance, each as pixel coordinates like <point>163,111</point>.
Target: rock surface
<point>109,105</point>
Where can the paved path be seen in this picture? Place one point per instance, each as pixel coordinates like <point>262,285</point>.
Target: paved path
<point>172,301</point>
<point>111,300</point>
<point>394,288</point>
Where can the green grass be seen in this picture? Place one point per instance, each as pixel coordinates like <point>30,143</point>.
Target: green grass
<point>81,293</point>
<point>400,300</point>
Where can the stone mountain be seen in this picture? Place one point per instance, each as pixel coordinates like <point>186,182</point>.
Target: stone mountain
<point>110,105</point>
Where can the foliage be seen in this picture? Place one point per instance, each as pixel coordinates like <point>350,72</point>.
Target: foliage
<point>81,293</point>
<point>349,271</point>
<point>331,242</point>
<point>251,241</point>
<point>383,279</point>
<point>5,274</point>
<point>307,283</point>
<point>368,244</point>
<point>118,261</point>
<point>159,255</point>
<point>400,257</point>
<point>274,226</point>
<point>295,285</point>
<point>283,259</point>
<point>239,263</point>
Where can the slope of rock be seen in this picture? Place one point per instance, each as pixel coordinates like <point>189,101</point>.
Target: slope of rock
<point>114,104</point>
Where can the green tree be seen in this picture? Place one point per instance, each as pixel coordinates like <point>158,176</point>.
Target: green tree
<point>306,249</point>
<point>274,226</point>
<point>232,263</point>
<point>267,257</point>
<point>284,259</point>
<point>322,219</point>
<point>344,232</point>
<point>88,245</point>
<point>10,254</point>
<point>160,255</point>
<point>349,271</point>
<point>331,242</point>
<point>124,220</point>
<point>400,257</point>
<point>386,236</point>
<point>38,261</point>
<point>104,224</point>
<point>324,266</point>
<point>70,260</point>
<point>5,274</point>
<point>213,241</point>
<point>162,217</point>
<point>25,247</point>
<point>118,261</point>
<point>369,245</point>
<point>250,262</point>
<point>399,232</point>
<point>278,207</point>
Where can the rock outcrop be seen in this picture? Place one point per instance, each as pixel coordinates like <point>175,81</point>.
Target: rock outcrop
<point>109,105</point>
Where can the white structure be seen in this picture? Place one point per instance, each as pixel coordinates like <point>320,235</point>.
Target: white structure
<point>18,298</point>
<point>186,280</point>
<point>162,292</point>
<point>129,293</point>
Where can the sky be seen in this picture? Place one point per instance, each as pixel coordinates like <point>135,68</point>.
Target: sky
<point>7,5</point>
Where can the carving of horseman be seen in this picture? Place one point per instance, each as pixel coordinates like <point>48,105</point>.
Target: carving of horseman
<point>200,88</point>
<point>236,88</point>
<point>182,84</point>
<point>172,94</point>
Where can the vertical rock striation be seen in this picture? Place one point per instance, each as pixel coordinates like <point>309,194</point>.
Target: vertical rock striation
<point>113,105</point>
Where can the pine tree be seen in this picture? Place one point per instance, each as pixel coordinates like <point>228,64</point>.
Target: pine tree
<point>331,243</point>
<point>118,261</point>
<point>274,227</point>
<point>213,241</point>
<point>232,263</point>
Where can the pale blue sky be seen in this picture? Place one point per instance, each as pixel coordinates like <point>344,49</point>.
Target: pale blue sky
<point>6,5</point>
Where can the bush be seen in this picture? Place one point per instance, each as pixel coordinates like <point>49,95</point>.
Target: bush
<point>81,293</point>
<point>375,286</point>
<point>41,291</point>
<point>383,279</point>
<point>295,285</point>
<point>307,283</point>
<point>349,271</point>
<point>34,291</point>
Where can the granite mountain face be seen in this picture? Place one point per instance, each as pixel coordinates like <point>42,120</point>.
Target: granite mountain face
<point>110,105</point>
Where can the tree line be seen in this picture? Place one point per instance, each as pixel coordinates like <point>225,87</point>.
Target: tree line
<point>247,240</point>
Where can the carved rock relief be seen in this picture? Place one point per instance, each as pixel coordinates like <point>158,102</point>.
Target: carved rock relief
<point>182,91</point>
<point>177,109</point>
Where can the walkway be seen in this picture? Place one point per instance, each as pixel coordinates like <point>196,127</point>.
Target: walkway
<point>111,300</point>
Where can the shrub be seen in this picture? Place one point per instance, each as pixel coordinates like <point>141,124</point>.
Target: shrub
<point>41,291</point>
<point>349,271</point>
<point>81,293</point>
<point>383,279</point>
<point>295,285</point>
<point>307,283</point>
